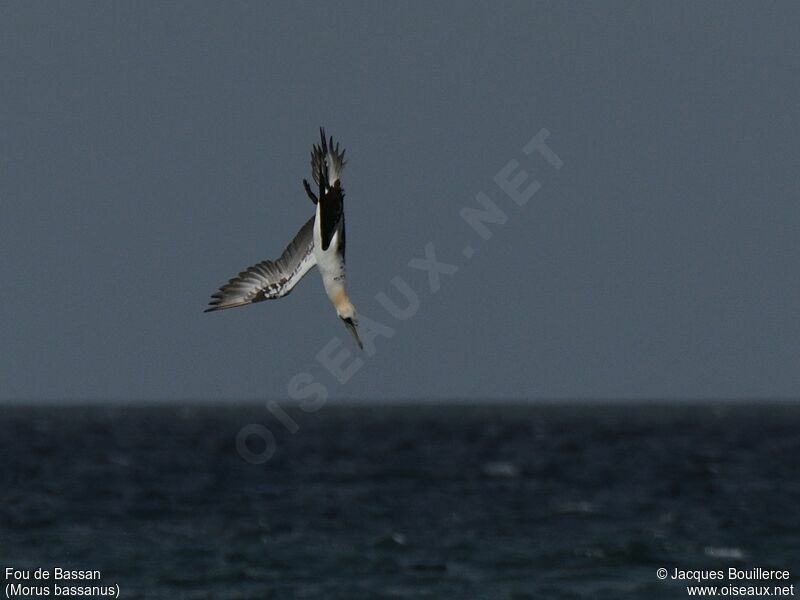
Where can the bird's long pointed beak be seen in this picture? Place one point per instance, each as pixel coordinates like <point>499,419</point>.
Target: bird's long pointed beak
<point>351,327</point>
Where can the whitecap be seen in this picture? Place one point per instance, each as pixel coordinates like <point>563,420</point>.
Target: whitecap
<point>722,552</point>
<point>500,469</point>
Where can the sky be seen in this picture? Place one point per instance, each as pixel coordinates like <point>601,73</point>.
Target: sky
<point>150,151</point>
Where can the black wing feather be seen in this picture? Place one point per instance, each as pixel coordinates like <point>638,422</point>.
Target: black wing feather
<point>331,212</point>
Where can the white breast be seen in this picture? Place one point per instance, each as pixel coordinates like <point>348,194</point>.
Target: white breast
<point>329,262</point>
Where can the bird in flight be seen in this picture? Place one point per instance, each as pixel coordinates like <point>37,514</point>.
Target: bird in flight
<point>320,242</point>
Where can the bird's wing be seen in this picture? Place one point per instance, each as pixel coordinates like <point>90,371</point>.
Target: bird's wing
<point>270,279</point>
<point>331,212</point>
<point>310,194</point>
<point>327,163</point>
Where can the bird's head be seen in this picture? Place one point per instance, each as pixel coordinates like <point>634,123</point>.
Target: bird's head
<point>347,313</point>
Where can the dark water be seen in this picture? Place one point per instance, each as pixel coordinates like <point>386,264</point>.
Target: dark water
<point>543,502</point>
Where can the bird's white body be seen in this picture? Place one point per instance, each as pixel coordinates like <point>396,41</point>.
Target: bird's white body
<point>330,262</point>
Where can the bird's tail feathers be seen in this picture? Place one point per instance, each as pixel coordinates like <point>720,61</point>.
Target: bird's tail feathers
<point>327,161</point>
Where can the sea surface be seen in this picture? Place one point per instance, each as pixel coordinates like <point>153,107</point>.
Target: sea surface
<point>492,501</point>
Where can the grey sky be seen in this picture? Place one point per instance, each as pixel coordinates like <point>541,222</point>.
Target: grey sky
<point>151,150</point>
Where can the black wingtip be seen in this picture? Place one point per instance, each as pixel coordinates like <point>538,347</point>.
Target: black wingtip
<point>324,145</point>
<point>310,193</point>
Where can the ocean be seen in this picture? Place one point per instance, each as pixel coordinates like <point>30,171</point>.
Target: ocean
<point>454,501</point>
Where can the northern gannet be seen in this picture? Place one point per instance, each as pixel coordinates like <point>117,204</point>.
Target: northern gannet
<point>320,242</point>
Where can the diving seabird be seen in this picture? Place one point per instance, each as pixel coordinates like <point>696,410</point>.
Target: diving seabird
<point>320,242</point>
